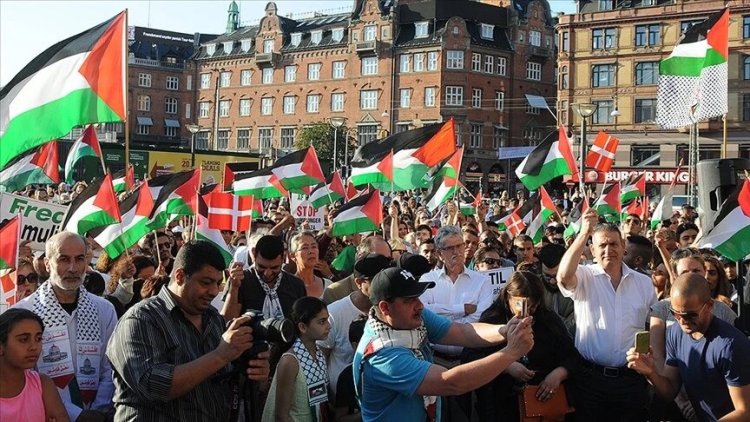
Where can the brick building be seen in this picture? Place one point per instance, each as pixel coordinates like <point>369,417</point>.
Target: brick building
<point>384,66</point>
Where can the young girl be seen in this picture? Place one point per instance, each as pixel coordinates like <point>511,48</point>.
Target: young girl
<point>25,395</point>
<point>301,378</point>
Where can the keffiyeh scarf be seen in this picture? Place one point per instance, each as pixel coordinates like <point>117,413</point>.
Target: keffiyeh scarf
<point>271,304</point>
<point>316,377</point>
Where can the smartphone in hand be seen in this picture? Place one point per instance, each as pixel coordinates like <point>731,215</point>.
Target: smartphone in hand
<point>521,307</point>
<point>642,341</point>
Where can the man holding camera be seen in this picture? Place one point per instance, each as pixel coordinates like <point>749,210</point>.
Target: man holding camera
<point>172,354</point>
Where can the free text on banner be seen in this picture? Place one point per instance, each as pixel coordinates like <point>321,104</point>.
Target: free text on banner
<point>40,219</point>
<point>301,210</point>
<point>498,278</point>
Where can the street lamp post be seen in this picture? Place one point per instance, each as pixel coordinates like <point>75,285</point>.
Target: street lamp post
<point>336,123</point>
<point>585,110</point>
<point>193,129</point>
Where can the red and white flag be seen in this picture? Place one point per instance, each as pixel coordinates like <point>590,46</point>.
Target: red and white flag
<point>601,156</point>
<point>229,212</point>
<point>513,223</point>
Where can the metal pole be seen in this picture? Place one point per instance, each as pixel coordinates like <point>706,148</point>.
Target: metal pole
<point>335,142</point>
<point>346,155</point>
<point>214,142</point>
<point>724,136</point>
<point>192,150</point>
<point>692,163</point>
<point>582,172</point>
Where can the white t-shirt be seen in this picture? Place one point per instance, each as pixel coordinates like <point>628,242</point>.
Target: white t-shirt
<point>341,313</point>
<point>607,320</point>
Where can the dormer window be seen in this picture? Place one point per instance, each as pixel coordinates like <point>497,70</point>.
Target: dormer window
<point>370,32</point>
<point>488,31</point>
<point>337,34</point>
<point>421,29</point>
<point>316,37</point>
<point>268,46</point>
<point>296,39</point>
<point>247,45</point>
<point>228,46</point>
<point>210,49</point>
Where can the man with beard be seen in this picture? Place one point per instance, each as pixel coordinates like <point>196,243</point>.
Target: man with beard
<point>78,326</point>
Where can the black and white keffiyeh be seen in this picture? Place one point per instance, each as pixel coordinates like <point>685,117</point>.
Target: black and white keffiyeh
<point>315,371</point>
<point>48,308</point>
<point>271,304</point>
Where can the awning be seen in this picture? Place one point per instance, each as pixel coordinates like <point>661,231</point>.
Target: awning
<point>510,153</point>
<point>171,123</point>
<point>537,101</point>
<point>145,121</point>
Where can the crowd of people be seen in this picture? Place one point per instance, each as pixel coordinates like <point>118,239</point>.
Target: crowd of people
<point>401,324</point>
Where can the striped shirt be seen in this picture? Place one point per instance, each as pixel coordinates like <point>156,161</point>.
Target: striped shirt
<point>150,340</point>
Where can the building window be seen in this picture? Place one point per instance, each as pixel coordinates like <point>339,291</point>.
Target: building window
<point>246,45</point>
<point>498,137</point>
<point>429,96</point>
<point>647,73</point>
<point>562,112</point>
<point>458,135</point>
<point>316,37</point>
<point>170,131</point>
<point>647,35</point>
<point>170,105</point>
<point>224,79</point>
<point>268,46</point>
<point>432,60</point>
<point>489,64</point>
<point>603,114</point>
<point>265,138</point>
<point>243,139</point>
<point>645,110</point>
<point>144,103</point>
<point>228,47</point>
<point>746,26</point>
<point>367,134</point>
<point>746,107</point>
<point>210,49</point>
<point>244,107</point>
<point>475,140</point>
<point>368,100</point>
<point>563,82</point>
<point>532,135</point>
<point>370,33</point>
<point>535,38</point>
<point>476,98</point>
<point>205,81</point>
<point>455,59</point>
<point>421,30</point>
<point>246,77</point>
<point>188,110</point>
<point>501,66</point>
<point>499,100</point>
<point>337,34</point>
<point>531,110</point>
<point>534,71</point>
<point>369,66</point>
<point>402,127</point>
<point>224,108</point>
<point>419,62</point>
<point>222,140</point>
<point>287,138</point>
<point>289,101</point>
<point>201,140</point>
<point>203,108</point>
<point>454,95</point>
<point>605,5</point>
<point>290,73</point>
<point>521,36</point>
<point>143,130</point>
<point>338,70</point>
<point>405,98</point>
<point>746,68</point>
<point>173,83</point>
<point>337,101</point>
<point>144,80</point>
<point>404,63</point>
<point>476,62</point>
<point>603,38</point>
<point>488,31</point>
<point>313,101</point>
<point>685,25</point>
<point>602,75</point>
<point>645,155</point>
<point>267,75</point>
<point>565,41</point>
<point>296,39</point>
<point>266,106</point>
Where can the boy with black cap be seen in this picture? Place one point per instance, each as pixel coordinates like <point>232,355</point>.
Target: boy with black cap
<point>393,370</point>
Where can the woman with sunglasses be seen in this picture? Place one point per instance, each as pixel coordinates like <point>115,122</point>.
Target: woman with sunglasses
<point>26,279</point>
<point>721,289</point>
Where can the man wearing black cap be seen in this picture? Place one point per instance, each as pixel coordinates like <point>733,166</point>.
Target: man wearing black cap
<point>393,370</point>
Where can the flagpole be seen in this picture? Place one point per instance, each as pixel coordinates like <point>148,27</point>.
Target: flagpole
<point>724,136</point>
<point>125,95</point>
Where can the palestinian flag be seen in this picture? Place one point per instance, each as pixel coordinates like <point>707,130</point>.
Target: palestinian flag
<point>730,235</point>
<point>537,210</point>
<point>231,170</point>
<point>75,82</point>
<point>377,171</point>
<point>550,159</point>
<point>85,146</point>
<point>95,207</point>
<point>229,212</point>
<point>634,207</point>
<point>608,204</point>
<point>10,233</point>
<point>345,260</point>
<point>360,215</point>
<point>445,182</point>
<point>135,211</point>
<point>351,191</point>
<point>124,180</point>
<point>663,210</point>
<point>634,188</point>
<point>693,79</point>
<point>328,193</point>
<point>177,197</point>
<point>298,170</point>
<point>39,166</point>
<point>206,233</point>
<point>575,227</point>
<point>468,204</point>
<point>261,184</point>
<point>415,152</point>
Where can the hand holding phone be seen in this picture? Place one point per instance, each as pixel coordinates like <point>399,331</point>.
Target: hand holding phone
<point>642,341</point>
<point>521,307</point>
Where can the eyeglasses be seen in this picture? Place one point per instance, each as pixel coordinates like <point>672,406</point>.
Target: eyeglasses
<point>632,221</point>
<point>690,316</point>
<point>23,279</point>
<point>491,261</point>
<point>455,248</point>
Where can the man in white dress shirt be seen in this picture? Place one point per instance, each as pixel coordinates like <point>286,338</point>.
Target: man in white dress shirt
<point>612,303</point>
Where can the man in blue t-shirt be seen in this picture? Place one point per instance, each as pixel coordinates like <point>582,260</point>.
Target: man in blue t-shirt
<point>709,356</point>
<point>394,375</point>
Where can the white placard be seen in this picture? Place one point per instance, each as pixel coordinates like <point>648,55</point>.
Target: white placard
<point>498,278</point>
<point>40,220</point>
<point>302,210</point>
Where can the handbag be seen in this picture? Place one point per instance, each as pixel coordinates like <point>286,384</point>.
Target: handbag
<point>533,410</point>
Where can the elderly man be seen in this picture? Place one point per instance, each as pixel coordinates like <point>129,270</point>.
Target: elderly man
<point>708,356</point>
<point>611,303</point>
<point>172,354</point>
<point>78,326</point>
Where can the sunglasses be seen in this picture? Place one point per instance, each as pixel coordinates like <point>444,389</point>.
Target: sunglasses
<point>491,261</point>
<point>633,221</point>
<point>23,279</point>
<point>690,316</point>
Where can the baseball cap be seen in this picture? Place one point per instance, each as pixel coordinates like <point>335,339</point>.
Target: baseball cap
<point>415,264</point>
<point>391,283</point>
<point>371,264</point>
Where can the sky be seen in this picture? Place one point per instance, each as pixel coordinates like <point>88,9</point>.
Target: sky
<point>29,27</point>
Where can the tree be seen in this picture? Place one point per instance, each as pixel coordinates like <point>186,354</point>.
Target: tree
<point>320,135</point>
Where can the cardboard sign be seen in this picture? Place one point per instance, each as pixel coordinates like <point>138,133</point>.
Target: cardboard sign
<point>302,210</point>
<point>40,220</point>
<point>498,278</point>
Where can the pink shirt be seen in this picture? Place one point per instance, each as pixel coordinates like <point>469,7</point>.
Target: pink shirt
<point>27,405</point>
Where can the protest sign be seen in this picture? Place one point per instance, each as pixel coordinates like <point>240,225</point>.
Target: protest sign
<point>40,219</point>
<point>498,278</point>
<point>301,210</point>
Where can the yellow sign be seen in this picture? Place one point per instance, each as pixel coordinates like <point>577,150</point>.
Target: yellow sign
<point>212,166</point>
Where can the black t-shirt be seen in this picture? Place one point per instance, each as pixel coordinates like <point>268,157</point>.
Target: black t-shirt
<point>252,295</point>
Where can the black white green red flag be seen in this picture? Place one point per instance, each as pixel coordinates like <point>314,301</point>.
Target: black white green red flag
<point>550,159</point>
<point>298,170</point>
<point>444,182</point>
<point>359,215</point>
<point>95,207</point>
<point>176,198</point>
<point>10,233</point>
<point>608,204</point>
<point>38,166</point>
<point>329,192</point>
<point>261,184</point>
<point>85,146</point>
<point>124,180</point>
<point>635,187</point>
<point>135,211</point>
<point>730,235</point>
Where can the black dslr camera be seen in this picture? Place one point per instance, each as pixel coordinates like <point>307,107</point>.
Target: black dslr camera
<point>265,331</point>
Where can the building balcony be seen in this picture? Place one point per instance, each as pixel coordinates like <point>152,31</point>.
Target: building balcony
<point>155,63</point>
<point>364,47</point>
<point>541,52</point>
<point>267,58</point>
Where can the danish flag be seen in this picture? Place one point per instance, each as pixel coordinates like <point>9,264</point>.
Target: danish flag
<point>229,212</point>
<point>513,223</point>
<point>602,153</point>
